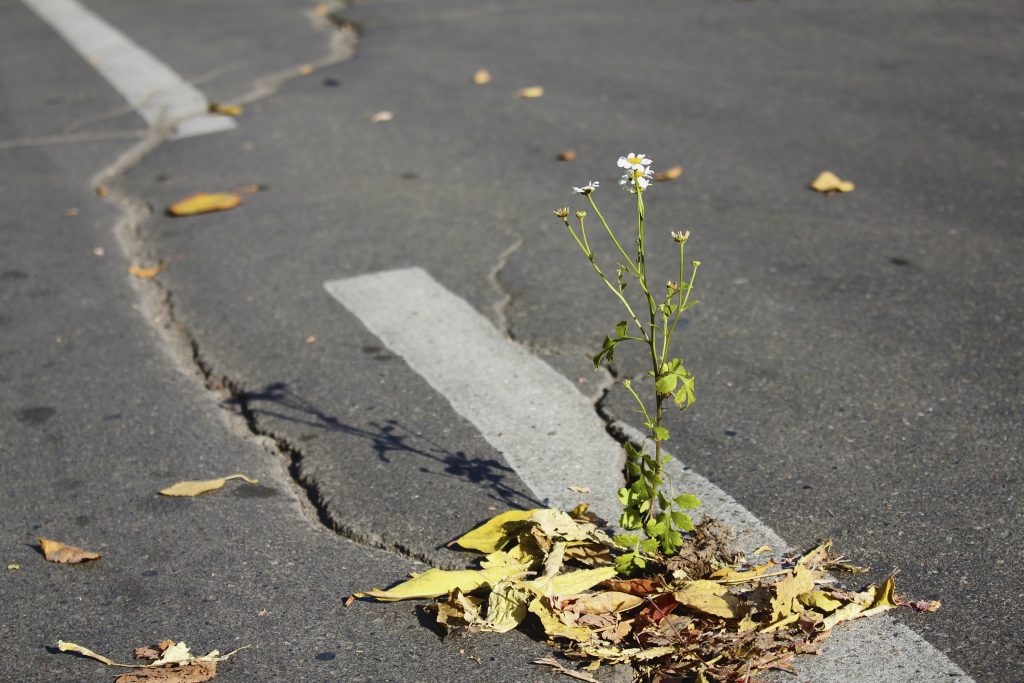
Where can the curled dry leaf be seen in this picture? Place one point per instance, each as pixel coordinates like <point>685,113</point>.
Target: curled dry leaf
<point>204,202</point>
<point>828,182</point>
<point>670,174</point>
<point>531,93</point>
<point>482,77</point>
<point>55,551</point>
<point>195,488</point>
<point>146,273</point>
<point>567,155</point>
<point>225,109</point>
<point>382,117</point>
<point>173,663</point>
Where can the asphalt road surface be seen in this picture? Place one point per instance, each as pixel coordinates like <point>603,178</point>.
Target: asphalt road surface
<point>858,356</point>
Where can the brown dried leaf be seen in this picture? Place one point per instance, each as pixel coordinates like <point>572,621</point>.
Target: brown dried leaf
<point>569,155</point>
<point>605,602</point>
<point>670,174</point>
<point>639,587</point>
<point>530,93</point>
<point>55,551</point>
<point>195,488</point>
<point>194,672</point>
<point>482,77</point>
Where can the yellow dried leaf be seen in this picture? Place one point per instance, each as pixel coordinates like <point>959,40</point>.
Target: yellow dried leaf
<point>205,202</point>
<point>55,551</point>
<point>459,611</point>
<point>533,92</point>
<point>178,653</point>
<point>709,597</point>
<point>225,109</point>
<point>73,647</point>
<point>555,627</point>
<point>382,117</point>
<point>195,488</point>
<point>820,601</point>
<point>670,174</point>
<point>730,575</point>
<point>570,583</point>
<point>827,181</point>
<point>482,77</point>
<point>790,587</point>
<point>496,532</point>
<point>506,607</point>
<point>762,549</point>
<point>146,273</point>
<point>434,583</point>
<point>14,566</point>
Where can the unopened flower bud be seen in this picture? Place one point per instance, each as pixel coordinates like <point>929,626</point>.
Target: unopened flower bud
<point>581,214</point>
<point>672,286</point>
<point>562,212</point>
<point>680,236</point>
<point>626,383</point>
<point>696,263</point>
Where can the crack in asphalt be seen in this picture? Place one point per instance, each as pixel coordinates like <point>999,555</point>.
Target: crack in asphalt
<point>156,300</point>
<point>501,306</point>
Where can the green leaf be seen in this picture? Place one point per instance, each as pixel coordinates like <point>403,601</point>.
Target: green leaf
<point>630,519</point>
<point>682,521</point>
<point>649,545</point>
<point>687,501</point>
<point>690,304</point>
<point>666,384</point>
<point>639,562</point>
<point>633,470</point>
<point>607,352</point>
<point>623,495</point>
<point>624,564</point>
<point>626,540</point>
<point>661,434</point>
<point>621,329</point>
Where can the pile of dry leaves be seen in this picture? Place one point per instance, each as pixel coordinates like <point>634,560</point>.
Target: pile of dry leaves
<point>702,615</point>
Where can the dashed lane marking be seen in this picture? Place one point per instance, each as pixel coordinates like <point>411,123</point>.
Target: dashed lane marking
<point>156,92</point>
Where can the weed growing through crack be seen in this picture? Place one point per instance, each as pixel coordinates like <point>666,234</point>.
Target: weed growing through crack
<point>645,505</point>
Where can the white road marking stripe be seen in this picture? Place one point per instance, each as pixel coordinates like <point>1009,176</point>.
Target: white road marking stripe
<point>159,95</point>
<point>549,433</point>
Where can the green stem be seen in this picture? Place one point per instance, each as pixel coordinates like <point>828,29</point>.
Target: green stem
<point>611,234</point>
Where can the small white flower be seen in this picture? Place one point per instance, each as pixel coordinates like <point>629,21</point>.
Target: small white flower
<point>633,179</point>
<point>634,162</point>
<point>587,189</point>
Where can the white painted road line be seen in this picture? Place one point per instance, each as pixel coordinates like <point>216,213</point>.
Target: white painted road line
<point>549,433</point>
<point>159,95</point>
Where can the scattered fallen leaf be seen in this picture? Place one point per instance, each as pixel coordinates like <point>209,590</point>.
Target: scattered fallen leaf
<point>320,10</point>
<point>195,488</point>
<point>670,174</point>
<point>708,597</point>
<point>13,566</point>
<point>92,60</point>
<point>55,551</point>
<point>434,583</point>
<point>146,273</point>
<point>225,109</point>
<point>382,117</point>
<point>172,663</point>
<point>195,672</point>
<point>531,93</point>
<point>567,155</point>
<point>73,211</point>
<point>482,77</point>
<point>262,613</point>
<point>98,251</point>
<point>306,69</point>
<point>828,182</point>
<point>311,339</point>
<point>204,202</point>
<point>762,549</point>
<point>496,532</point>
<point>101,191</point>
<point>73,647</point>
<point>580,489</point>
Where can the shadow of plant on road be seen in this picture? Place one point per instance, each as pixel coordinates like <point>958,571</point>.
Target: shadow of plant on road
<point>388,438</point>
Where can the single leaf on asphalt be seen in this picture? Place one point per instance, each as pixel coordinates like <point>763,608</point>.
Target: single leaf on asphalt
<point>225,109</point>
<point>670,174</point>
<point>708,597</point>
<point>482,77</point>
<point>204,202</point>
<point>828,182</point>
<point>533,92</point>
<point>195,488</point>
<point>496,532</point>
<point>434,583</point>
<point>382,117</point>
<point>13,567</point>
<point>146,273</point>
<point>55,551</point>
<point>567,155</point>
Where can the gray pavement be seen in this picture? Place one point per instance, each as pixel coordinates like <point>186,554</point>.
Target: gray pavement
<point>858,357</point>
